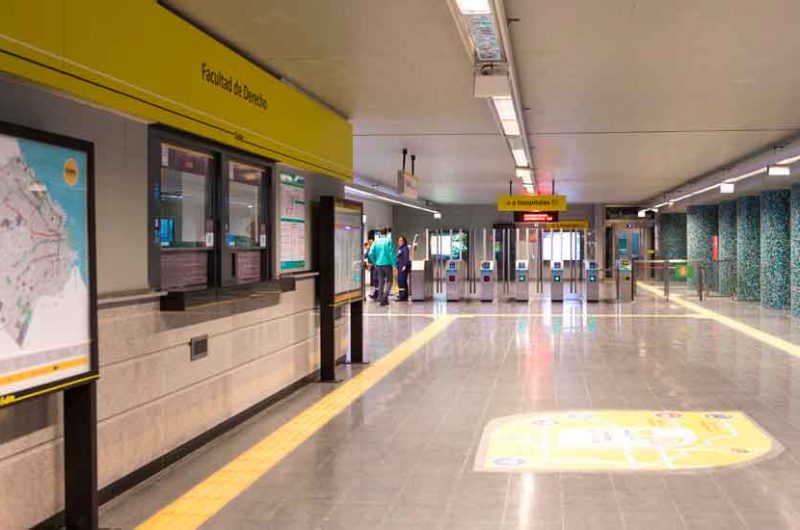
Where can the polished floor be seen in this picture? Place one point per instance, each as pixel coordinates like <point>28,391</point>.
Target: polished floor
<point>401,454</point>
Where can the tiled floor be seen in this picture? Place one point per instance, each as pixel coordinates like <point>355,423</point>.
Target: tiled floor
<point>402,456</point>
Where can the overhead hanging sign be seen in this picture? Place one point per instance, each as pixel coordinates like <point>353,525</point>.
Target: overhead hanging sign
<point>47,294</point>
<point>579,224</point>
<point>535,217</point>
<point>407,184</point>
<point>527,203</point>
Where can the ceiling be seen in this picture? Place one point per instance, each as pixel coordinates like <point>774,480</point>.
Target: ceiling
<point>625,99</point>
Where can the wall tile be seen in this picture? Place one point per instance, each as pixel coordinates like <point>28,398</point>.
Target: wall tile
<point>727,246</point>
<point>795,249</point>
<point>748,249</point>
<point>775,241</point>
<point>702,223</point>
<point>672,235</point>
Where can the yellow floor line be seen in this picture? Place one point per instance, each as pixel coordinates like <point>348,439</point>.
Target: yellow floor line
<point>203,501</point>
<point>750,331</point>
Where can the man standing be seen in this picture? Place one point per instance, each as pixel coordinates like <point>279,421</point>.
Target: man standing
<point>383,256</point>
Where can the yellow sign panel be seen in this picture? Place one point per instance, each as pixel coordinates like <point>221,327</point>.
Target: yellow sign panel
<point>621,440</point>
<point>567,225</point>
<point>139,58</point>
<point>526,203</point>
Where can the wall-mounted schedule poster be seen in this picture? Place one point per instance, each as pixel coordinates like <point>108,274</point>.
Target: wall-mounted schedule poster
<point>47,294</point>
<point>292,222</point>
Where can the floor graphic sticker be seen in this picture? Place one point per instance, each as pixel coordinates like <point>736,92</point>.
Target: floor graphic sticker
<point>621,440</point>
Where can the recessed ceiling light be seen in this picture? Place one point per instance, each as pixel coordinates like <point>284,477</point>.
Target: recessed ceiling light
<point>474,7</point>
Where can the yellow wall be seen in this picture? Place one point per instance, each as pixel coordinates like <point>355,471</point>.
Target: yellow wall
<point>137,57</point>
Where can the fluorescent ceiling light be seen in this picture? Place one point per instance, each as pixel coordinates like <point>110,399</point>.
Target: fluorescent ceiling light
<point>474,7</point>
<point>520,157</point>
<point>727,187</point>
<point>357,191</point>
<point>747,175</point>
<point>524,174</point>
<point>787,161</point>
<point>529,188</point>
<point>642,213</point>
<point>779,171</point>
<point>437,215</point>
<point>507,114</point>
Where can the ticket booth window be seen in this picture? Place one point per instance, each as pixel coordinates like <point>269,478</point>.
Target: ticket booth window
<point>185,217</point>
<point>244,256</point>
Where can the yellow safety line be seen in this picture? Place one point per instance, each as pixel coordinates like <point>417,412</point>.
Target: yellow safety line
<point>750,331</point>
<point>538,315</point>
<point>203,501</point>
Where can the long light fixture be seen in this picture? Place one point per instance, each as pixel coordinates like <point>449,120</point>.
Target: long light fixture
<point>779,171</point>
<point>504,106</point>
<point>357,191</point>
<point>524,174</point>
<point>727,187</point>
<point>474,7</point>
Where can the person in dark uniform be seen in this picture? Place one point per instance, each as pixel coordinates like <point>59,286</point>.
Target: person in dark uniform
<point>403,268</point>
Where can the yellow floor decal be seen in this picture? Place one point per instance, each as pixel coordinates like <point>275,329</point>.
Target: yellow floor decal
<point>621,440</point>
<point>755,333</point>
<point>207,498</point>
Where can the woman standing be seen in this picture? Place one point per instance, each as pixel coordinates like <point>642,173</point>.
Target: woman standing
<point>403,268</point>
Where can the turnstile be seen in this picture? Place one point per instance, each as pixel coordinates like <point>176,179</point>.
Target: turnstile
<point>591,287</point>
<point>454,286</point>
<point>421,280</point>
<point>521,287</point>
<point>556,283</point>
<point>487,281</point>
<point>625,280</point>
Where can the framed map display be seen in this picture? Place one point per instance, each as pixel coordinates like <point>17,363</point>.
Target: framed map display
<point>348,251</point>
<point>48,307</point>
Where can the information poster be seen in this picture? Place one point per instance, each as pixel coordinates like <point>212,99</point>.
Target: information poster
<point>45,294</point>
<point>292,222</point>
<point>348,250</point>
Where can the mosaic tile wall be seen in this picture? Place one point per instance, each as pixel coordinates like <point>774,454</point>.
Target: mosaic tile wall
<point>672,235</point>
<point>702,222</point>
<point>748,249</point>
<point>727,246</point>
<point>795,249</point>
<point>775,264</point>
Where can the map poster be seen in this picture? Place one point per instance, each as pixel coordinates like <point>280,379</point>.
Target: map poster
<point>47,293</point>
<point>292,198</point>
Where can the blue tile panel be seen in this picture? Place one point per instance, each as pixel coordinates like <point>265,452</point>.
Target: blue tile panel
<point>727,246</point>
<point>748,249</point>
<point>795,248</point>
<point>672,235</point>
<point>702,223</point>
<point>775,242</point>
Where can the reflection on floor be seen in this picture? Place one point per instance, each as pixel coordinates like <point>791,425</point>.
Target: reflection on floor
<point>400,450</point>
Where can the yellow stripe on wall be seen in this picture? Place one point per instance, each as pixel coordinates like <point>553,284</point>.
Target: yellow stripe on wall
<point>47,369</point>
<point>207,498</point>
<point>139,58</point>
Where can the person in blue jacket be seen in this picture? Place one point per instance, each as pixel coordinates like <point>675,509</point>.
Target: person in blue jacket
<point>403,268</point>
<point>383,256</point>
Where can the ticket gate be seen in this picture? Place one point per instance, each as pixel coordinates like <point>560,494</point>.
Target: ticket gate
<point>626,280</point>
<point>591,288</point>
<point>421,280</point>
<point>521,287</point>
<point>556,283</point>
<point>454,286</point>
<point>487,277</point>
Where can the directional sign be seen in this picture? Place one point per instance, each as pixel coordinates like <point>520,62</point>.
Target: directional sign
<point>527,203</point>
<point>578,224</point>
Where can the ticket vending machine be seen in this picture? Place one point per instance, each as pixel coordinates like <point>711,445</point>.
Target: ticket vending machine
<point>521,287</point>
<point>592,282</point>
<point>556,284</point>
<point>625,280</point>
<point>453,286</point>
<point>487,281</point>
<point>421,280</point>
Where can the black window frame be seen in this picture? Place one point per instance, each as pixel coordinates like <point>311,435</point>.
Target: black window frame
<point>219,276</point>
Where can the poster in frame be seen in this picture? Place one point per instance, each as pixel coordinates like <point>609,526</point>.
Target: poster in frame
<point>48,290</point>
